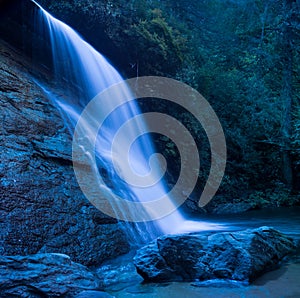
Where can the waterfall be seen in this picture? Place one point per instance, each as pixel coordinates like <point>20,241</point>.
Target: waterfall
<point>83,73</point>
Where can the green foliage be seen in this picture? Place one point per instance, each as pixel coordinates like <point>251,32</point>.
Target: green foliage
<point>154,42</point>
<point>278,197</point>
<point>296,136</point>
<point>87,13</point>
<point>160,46</point>
<point>240,72</point>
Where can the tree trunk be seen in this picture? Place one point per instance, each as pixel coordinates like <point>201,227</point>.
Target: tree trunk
<point>286,94</point>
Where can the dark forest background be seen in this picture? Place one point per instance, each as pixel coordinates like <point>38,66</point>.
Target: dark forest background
<point>242,56</point>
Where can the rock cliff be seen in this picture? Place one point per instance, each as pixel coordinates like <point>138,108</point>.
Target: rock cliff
<point>41,206</point>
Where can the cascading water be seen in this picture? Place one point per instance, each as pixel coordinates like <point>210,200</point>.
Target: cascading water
<point>85,73</point>
<point>89,73</point>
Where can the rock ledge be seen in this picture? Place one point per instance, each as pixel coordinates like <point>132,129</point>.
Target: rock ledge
<point>44,275</point>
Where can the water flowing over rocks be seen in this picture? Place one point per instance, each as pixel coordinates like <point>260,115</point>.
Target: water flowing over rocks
<point>42,208</point>
<point>93,294</point>
<point>240,256</point>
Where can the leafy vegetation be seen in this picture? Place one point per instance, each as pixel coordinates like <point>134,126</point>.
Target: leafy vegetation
<point>243,56</point>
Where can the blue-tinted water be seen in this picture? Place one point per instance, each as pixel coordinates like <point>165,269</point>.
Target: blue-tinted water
<point>84,73</point>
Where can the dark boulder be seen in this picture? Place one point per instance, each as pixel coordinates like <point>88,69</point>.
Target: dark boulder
<point>232,208</point>
<point>44,275</point>
<point>240,256</point>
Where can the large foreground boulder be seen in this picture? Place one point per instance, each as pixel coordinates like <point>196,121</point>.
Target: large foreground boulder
<point>44,275</point>
<point>240,256</point>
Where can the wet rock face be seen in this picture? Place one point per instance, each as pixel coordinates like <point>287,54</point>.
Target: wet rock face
<point>44,275</point>
<point>240,256</point>
<point>42,208</point>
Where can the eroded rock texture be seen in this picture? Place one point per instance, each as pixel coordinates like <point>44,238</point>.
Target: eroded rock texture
<point>41,206</point>
<point>240,256</point>
<point>44,275</point>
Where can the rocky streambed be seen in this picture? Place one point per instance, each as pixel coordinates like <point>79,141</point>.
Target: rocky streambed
<point>120,279</point>
<point>228,259</point>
